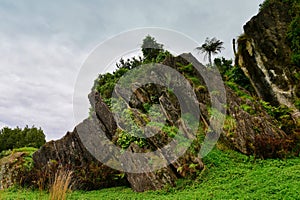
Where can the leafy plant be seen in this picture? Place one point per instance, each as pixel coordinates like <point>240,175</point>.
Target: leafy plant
<point>233,74</point>
<point>248,109</point>
<point>151,49</point>
<point>239,91</point>
<point>282,114</point>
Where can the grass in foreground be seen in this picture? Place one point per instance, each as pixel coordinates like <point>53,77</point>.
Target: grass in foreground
<point>228,175</point>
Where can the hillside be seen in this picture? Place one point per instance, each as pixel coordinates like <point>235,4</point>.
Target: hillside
<point>228,175</point>
<point>149,129</point>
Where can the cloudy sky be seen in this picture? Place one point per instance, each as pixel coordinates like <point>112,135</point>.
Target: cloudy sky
<point>43,45</point>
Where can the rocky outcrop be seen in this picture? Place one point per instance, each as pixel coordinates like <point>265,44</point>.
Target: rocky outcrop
<point>264,54</point>
<point>69,153</point>
<point>150,180</point>
<point>12,169</point>
<point>246,120</point>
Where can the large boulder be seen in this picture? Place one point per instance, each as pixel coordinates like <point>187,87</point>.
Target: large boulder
<point>69,153</point>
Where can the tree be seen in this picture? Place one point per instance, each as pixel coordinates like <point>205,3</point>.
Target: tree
<point>211,46</point>
<point>17,138</point>
<point>151,48</point>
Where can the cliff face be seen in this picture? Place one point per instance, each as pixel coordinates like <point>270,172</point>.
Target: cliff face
<point>264,54</point>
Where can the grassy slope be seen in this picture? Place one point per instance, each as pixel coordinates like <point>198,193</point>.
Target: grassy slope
<point>228,175</point>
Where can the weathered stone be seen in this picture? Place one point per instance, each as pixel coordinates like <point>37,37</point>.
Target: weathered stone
<point>69,152</point>
<point>104,114</point>
<point>12,170</point>
<point>243,127</point>
<point>149,180</point>
<point>265,55</point>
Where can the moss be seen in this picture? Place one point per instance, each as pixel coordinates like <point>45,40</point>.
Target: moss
<point>186,69</point>
<point>248,109</point>
<point>239,91</point>
<point>229,126</point>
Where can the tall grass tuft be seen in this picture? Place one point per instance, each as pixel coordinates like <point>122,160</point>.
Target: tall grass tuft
<point>61,185</point>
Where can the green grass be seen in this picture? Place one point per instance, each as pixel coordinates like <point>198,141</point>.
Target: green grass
<point>228,175</point>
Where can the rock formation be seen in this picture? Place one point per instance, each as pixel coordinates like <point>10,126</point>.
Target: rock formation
<point>12,170</point>
<point>265,55</point>
<point>240,134</point>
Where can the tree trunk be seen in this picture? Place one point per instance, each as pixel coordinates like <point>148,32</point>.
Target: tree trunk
<point>233,46</point>
<point>209,59</point>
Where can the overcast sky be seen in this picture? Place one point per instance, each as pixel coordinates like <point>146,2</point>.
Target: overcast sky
<point>44,43</point>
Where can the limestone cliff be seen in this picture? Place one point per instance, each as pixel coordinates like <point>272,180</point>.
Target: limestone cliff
<point>264,54</point>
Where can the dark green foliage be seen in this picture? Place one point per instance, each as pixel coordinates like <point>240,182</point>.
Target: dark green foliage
<point>128,64</point>
<point>283,115</point>
<point>105,83</point>
<point>233,74</point>
<point>153,52</point>
<point>17,138</point>
<point>151,48</point>
<point>264,5</point>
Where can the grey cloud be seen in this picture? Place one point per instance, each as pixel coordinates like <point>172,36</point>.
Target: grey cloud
<point>37,81</point>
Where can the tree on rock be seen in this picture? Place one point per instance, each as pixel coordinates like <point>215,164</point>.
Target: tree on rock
<point>210,47</point>
<point>151,48</point>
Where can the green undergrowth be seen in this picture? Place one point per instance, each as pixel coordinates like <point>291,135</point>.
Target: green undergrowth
<point>227,175</point>
<point>26,160</point>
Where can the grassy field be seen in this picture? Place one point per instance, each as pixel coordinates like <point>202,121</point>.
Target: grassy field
<point>228,175</point>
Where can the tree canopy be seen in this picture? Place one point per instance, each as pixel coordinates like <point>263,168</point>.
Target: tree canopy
<point>210,47</point>
<point>17,138</point>
<point>151,48</point>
